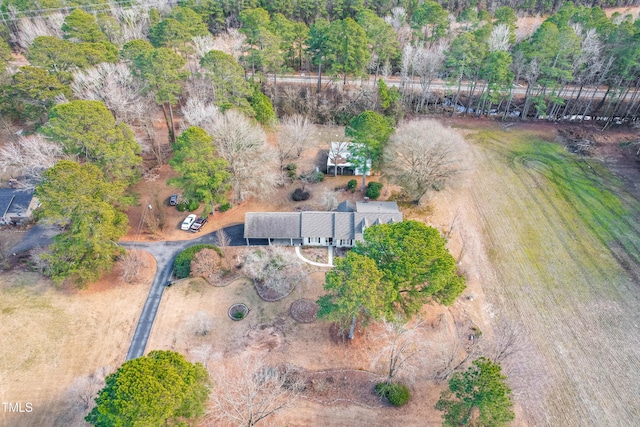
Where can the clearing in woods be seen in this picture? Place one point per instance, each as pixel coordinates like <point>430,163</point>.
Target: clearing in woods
<point>563,238</point>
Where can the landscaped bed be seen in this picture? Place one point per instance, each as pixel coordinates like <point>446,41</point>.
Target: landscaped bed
<point>304,310</point>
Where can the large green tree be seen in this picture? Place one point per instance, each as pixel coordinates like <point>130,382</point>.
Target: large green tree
<point>81,26</point>
<point>5,55</point>
<point>430,21</point>
<point>463,61</point>
<point>292,37</point>
<point>203,175</point>
<point>227,76</point>
<point>414,258</point>
<point>318,46</point>
<point>51,53</point>
<point>88,129</point>
<point>160,389</point>
<point>383,42</point>
<point>262,45</point>
<point>478,397</point>
<point>87,203</point>
<point>32,92</point>
<point>355,288</point>
<point>370,132</point>
<point>63,55</point>
<point>347,48</point>
<point>178,29</point>
<point>169,33</point>
<point>164,72</point>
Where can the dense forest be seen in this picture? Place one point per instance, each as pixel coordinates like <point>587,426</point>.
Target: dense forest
<point>309,10</point>
<point>451,57</point>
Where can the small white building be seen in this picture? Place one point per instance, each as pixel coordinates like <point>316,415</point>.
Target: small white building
<point>338,159</point>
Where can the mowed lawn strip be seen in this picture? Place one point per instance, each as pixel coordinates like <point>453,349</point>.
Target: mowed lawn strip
<point>564,238</point>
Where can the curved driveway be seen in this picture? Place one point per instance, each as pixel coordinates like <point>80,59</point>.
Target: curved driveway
<point>165,253</point>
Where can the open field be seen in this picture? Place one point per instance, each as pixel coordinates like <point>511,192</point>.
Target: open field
<point>51,341</point>
<point>563,238</point>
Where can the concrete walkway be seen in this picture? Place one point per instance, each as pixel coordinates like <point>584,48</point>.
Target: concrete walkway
<point>317,264</point>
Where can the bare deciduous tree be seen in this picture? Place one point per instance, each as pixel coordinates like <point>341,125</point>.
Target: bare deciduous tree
<point>27,157</point>
<point>423,155</point>
<point>134,21</point>
<point>145,113</point>
<point>200,323</point>
<point>203,44</point>
<point>450,355</point>
<point>223,241</point>
<point>202,354</point>
<point>293,138</point>
<point>398,20</point>
<point>329,200</point>
<point>338,151</point>
<point>230,42</point>
<point>31,28</point>
<point>205,263</point>
<point>132,265</point>
<point>197,111</point>
<point>509,339</point>
<point>275,268</point>
<point>427,63</point>
<point>252,391</point>
<point>404,349</point>
<point>81,394</point>
<point>499,39</point>
<point>291,141</point>
<point>112,84</point>
<point>244,146</point>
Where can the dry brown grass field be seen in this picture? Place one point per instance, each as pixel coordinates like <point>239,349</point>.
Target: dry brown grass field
<point>51,339</point>
<point>562,240</point>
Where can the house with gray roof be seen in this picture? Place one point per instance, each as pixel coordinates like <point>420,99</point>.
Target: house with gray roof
<point>16,205</point>
<point>318,228</point>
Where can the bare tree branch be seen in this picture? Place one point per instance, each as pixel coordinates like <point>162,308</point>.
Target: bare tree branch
<point>422,156</point>
<point>275,268</point>
<point>251,391</point>
<point>27,157</point>
<point>243,145</point>
<point>404,349</point>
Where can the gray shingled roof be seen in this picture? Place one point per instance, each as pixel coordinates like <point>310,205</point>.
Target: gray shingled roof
<point>346,206</point>
<point>343,225</point>
<point>317,224</point>
<point>17,204</point>
<point>275,225</point>
<point>376,207</point>
<point>339,225</point>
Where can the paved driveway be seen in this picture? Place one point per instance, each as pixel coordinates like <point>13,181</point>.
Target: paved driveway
<point>165,253</point>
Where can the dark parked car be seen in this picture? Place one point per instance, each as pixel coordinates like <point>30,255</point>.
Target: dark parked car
<point>198,224</point>
<point>173,200</point>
